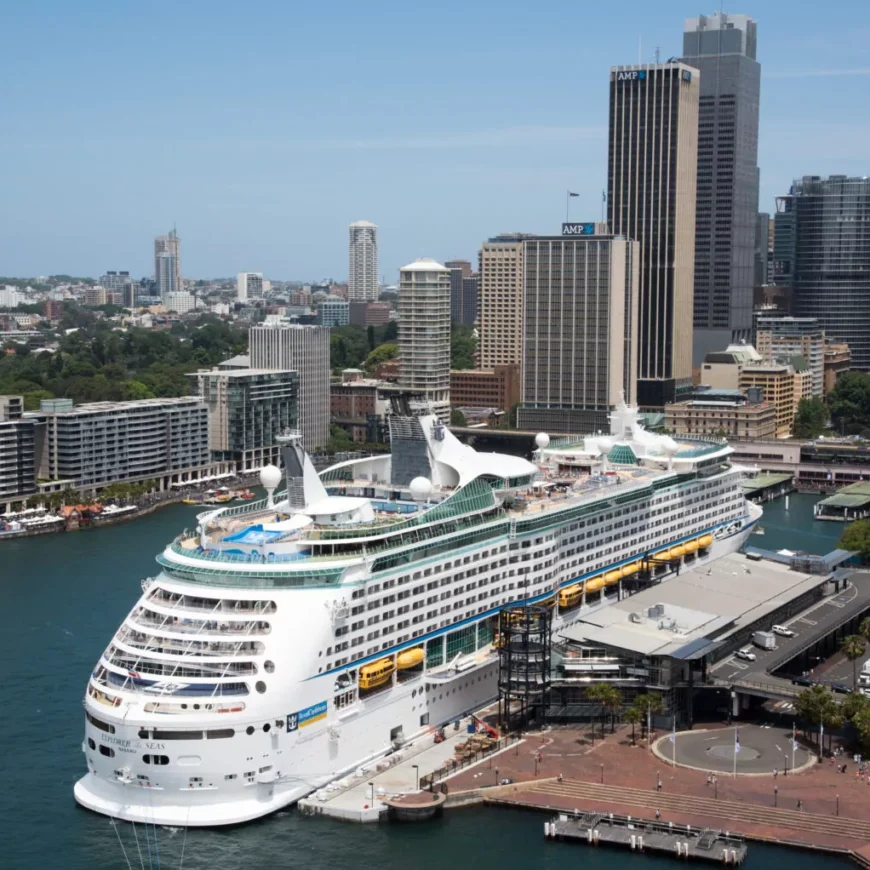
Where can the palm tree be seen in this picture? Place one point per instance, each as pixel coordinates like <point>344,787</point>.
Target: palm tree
<point>634,716</point>
<point>612,701</point>
<point>864,628</point>
<point>853,647</point>
<point>650,704</point>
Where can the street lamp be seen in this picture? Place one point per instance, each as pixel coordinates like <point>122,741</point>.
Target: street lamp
<point>602,774</point>
<point>417,776</point>
<point>775,794</point>
<point>838,805</point>
<point>496,776</point>
<point>373,792</point>
<point>536,765</point>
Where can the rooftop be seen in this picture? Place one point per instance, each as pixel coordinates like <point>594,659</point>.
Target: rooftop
<point>854,495</point>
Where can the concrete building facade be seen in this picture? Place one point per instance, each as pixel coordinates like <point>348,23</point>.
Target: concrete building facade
<point>780,387</point>
<point>333,312</point>
<point>780,337</point>
<point>464,289</point>
<point>180,303</point>
<point>722,47</point>
<point>499,388</point>
<point>500,302</point>
<point>838,359</point>
<point>362,281</point>
<point>424,333</point>
<point>17,451</point>
<point>167,263</point>
<point>247,410</point>
<point>249,286</point>
<point>651,199</point>
<point>580,331</point>
<point>736,418</point>
<point>721,370</point>
<point>369,313</point>
<point>303,349</point>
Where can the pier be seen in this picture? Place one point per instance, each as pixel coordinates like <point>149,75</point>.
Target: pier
<point>645,835</point>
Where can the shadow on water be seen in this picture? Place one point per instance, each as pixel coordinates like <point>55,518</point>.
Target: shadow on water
<point>64,595</point>
<point>795,528</point>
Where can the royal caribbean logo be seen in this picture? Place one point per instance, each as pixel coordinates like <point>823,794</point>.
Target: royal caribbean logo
<point>637,75</point>
<point>308,716</point>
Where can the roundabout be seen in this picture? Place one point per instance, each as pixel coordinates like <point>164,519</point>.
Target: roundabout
<point>760,750</point>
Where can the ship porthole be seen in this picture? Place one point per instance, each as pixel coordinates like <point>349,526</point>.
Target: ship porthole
<point>249,730</point>
<point>260,686</point>
<point>269,667</point>
<point>267,727</point>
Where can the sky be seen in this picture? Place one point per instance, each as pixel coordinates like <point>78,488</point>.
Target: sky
<point>262,129</point>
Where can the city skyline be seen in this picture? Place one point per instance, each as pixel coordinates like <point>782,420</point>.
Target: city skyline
<point>239,198</point>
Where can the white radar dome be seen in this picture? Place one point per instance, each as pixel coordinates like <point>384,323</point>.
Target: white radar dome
<point>420,488</point>
<point>270,476</point>
<point>542,439</point>
<point>669,445</point>
<point>605,445</point>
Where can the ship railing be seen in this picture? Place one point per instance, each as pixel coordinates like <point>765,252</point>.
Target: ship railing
<point>183,602</point>
<point>239,509</point>
<point>220,628</point>
<point>158,644</point>
<point>156,668</point>
<point>217,555</point>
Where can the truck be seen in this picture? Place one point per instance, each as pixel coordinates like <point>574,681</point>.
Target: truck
<point>764,639</point>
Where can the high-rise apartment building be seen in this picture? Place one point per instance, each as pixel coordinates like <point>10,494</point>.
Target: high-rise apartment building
<point>424,333</point>
<point>249,286</point>
<point>333,312</point>
<point>17,446</point>
<point>247,410</point>
<point>303,349</point>
<point>500,301</point>
<point>651,187</point>
<point>822,252</point>
<point>362,279</point>
<point>464,288</point>
<point>579,331</point>
<point>780,337</point>
<point>167,263</point>
<point>180,303</point>
<point>722,48</point>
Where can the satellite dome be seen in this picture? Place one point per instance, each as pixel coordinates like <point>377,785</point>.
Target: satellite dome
<point>605,445</point>
<point>420,488</point>
<point>669,445</point>
<point>270,476</point>
<point>542,439</point>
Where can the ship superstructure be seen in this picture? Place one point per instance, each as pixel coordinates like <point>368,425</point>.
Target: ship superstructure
<point>287,642</point>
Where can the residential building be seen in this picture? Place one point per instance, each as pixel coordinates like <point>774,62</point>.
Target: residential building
<point>424,333</point>
<point>780,386</point>
<point>52,309</point>
<point>17,452</point>
<point>167,263</point>
<point>500,301</point>
<point>304,349</point>
<point>580,331</point>
<point>498,388</point>
<point>822,251</point>
<point>722,47</point>
<point>464,288</point>
<point>734,417</point>
<point>100,443</point>
<point>360,406</point>
<point>180,303</point>
<point>721,369</point>
<point>333,312</point>
<point>369,313</point>
<point>12,297</point>
<point>838,359</point>
<point>95,295</point>
<point>780,337</point>
<point>247,410</point>
<point>249,286</point>
<point>362,281</point>
<point>115,280</point>
<point>651,191</point>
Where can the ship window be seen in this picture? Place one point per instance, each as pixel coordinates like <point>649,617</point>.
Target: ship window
<point>107,751</point>
<point>98,723</point>
<point>219,733</point>
<point>144,733</point>
<point>267,727</point>
<point>177,735</point>
<point>231,776</point>
<point>156,759</point>
<point>249,730</point>
<point>91,743</point>
<point>260,686</point>
<point>269,667</point>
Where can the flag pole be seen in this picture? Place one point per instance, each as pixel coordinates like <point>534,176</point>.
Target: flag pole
<point>674,746</point>
<point>736,750</point>
<point>649,725</point>
<point>793,745</point>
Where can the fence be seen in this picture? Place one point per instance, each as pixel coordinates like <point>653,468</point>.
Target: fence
<point>430,780</point>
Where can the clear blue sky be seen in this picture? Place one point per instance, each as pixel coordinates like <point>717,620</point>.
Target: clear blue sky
<point>263,128</point>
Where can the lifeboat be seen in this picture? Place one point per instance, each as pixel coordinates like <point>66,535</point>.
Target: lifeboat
<point>678,552</point>
<point>595,583</point>
<point>376,674</point>
<point>691,546</point>
<point>612,577</point>
<point>662,554</point>
<point>570,596</point>
<point>705,541</point>
<point>410,658</point>
<point>631,568</point>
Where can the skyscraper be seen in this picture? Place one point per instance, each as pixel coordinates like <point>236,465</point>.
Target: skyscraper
<point>651,181</point>
<point>304,349</point>
<point>424,333</point>
<point>168,245</point>
<point>249,286</point>
<point>722,48</point>
<point>822,252</point>
<point>463,292</point>
<point>500,301</point>
<point>579,331</point>
<point>362,280</point>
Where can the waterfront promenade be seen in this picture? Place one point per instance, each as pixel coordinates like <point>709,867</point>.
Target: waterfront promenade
<point>560,770</point>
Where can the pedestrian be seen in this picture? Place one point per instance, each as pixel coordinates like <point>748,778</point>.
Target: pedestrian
<point>658,815</point>
<point>709,780</point>
<point>800,806</point>
<point>775,773</point>
<point>659,784</point>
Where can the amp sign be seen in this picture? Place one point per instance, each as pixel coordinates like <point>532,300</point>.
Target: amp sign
<point>578,229</point>
<point>635,75</point>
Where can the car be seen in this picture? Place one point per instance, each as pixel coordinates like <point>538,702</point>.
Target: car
<point>802,681</point>
<point>745,654</point>
<point>841,688</point>
<point>783,631</point>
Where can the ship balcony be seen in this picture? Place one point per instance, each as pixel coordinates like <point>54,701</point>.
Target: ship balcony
<point>174,602</point>
<point>170,649</point>
<point>207,628</point>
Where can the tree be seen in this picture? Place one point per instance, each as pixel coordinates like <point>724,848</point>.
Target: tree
<point>462,347</point>
<point>650,704</point>
<point>817,706</point>
<point>610,699</point>
<point>810,419</point>
<point>457,418</point>
<point>849,402</point>
<point>864,628</point>
<point>856,536</point>
<point>634,716</point>
<point>853,647</point>
<point>382,353</point>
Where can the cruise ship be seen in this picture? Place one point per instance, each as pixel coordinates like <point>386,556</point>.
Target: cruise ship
<point>288,642</point>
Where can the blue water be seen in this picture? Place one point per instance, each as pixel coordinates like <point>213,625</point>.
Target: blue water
<point>64,595</point>
<point>795,528</point>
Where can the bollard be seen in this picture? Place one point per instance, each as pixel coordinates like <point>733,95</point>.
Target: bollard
<point>546,829</point>
<point>688,829</point>
<point>724,856</point>
<point>589,835</point>
<point>632,842</point>
<point>640,844</point>
<point>679,849</point>
<point>733,856</point>
<point>670,827</point>
<point>595,836</point>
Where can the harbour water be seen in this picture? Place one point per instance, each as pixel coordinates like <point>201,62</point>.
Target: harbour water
<point>64,595</point>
